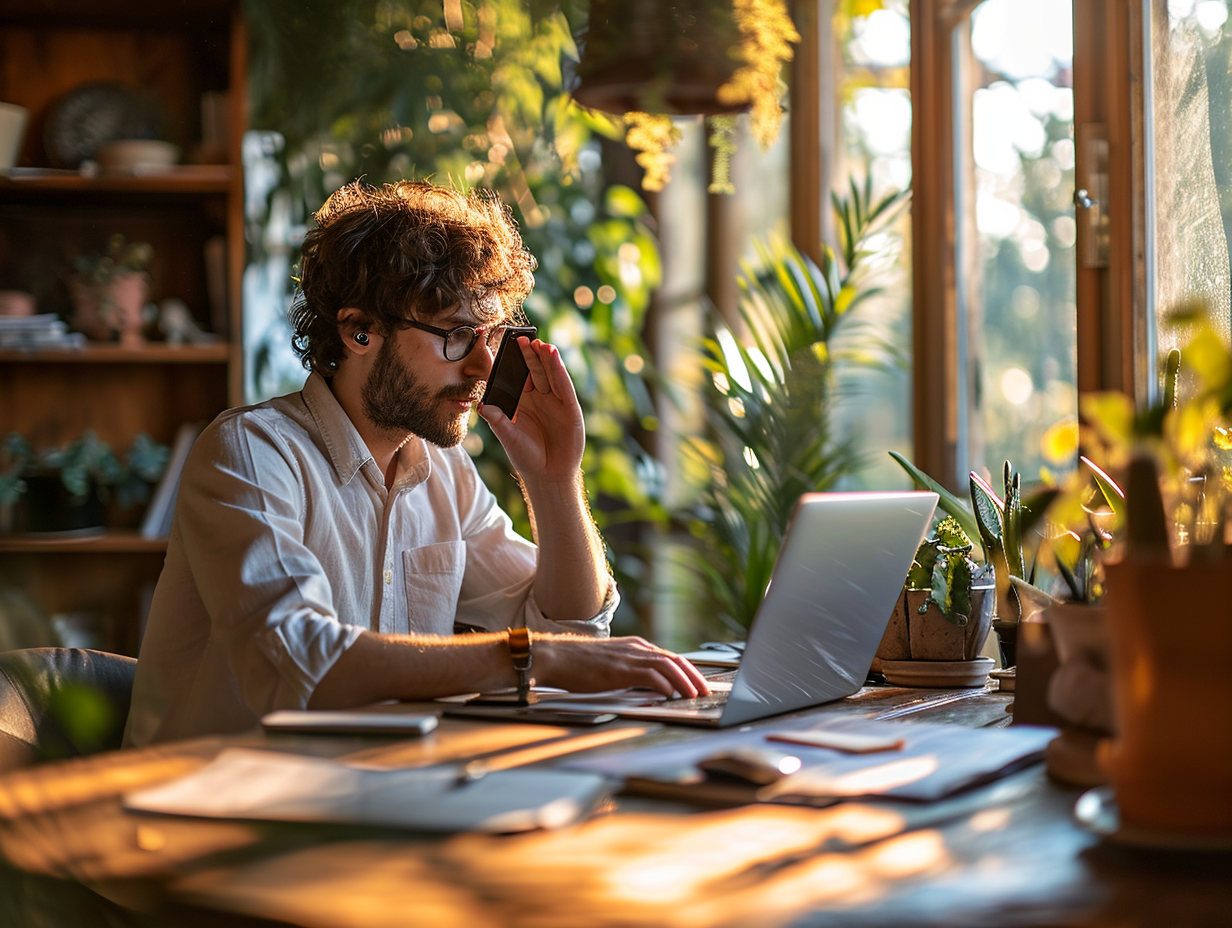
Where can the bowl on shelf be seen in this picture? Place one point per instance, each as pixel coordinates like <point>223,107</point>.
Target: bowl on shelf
<point>136,155</point>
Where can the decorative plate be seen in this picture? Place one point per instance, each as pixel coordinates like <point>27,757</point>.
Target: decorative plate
<point>91,114</point>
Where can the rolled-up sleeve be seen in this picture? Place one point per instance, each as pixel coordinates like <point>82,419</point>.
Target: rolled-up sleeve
<point>240,515</point>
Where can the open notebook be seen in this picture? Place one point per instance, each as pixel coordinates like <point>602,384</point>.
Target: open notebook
<point>838,574</point>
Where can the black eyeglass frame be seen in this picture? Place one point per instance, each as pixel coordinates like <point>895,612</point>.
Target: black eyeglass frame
<point>492,335</point>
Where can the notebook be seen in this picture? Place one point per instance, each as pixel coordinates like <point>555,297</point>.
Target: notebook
<point>840,569</point>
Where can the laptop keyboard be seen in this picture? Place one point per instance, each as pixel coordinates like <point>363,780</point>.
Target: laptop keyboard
<point>713,701</point>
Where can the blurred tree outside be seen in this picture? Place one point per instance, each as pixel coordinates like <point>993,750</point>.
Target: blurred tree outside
<point>468,94</point>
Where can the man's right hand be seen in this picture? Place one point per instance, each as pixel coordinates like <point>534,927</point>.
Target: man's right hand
<point>589,665</point>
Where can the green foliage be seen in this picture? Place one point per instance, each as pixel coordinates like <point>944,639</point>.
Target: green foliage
<point>770,438</point>
<point>83,464</point>
<point>384,91</point>
<point>85,717</point>
<point>1001,525</point>
<point>943,565</point>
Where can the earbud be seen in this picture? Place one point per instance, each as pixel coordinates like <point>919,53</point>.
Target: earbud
<point>361,338</point>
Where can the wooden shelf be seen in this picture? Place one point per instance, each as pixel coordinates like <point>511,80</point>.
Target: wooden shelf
<point>102,353</point>
<point>114,542</point>
<point>177,181</point>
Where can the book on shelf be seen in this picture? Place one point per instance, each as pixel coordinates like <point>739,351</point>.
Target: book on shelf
<point>157,520</point>
<point>44,330</point>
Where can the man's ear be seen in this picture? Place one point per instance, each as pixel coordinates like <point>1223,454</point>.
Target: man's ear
<point>357,338</point>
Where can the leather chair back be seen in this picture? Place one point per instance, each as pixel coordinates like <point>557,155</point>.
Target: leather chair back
<point>61,702</point>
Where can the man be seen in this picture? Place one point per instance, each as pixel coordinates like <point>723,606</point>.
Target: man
<point>326,544</point>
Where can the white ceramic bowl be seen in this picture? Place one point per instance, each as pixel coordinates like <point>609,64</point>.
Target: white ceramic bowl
<point>136,155</point>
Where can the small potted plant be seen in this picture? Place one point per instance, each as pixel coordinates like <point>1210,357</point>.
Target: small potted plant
<point>109,291</point>
<point>66,489</point>
<point>948,598</point>
<point>1001,527</point>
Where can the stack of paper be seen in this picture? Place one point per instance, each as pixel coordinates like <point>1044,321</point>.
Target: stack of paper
<point>46,330</point>
<point>251,784</point>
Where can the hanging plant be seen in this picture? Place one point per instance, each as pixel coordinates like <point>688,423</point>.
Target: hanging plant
<point>648,61</point>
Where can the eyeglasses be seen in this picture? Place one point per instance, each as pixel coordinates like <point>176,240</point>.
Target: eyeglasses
<point>460,341</point>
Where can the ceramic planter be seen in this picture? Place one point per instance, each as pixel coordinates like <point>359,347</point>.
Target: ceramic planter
<point>1170,634</point>
<point>104,309</point>
<point>1079,691</point>
<point>931,636</point>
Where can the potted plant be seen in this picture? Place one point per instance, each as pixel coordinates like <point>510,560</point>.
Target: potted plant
<point>770,437</point>
<point>647,61</point>
<point>947,601</point>
<point>1171,766</point>
<point>1001,527</point>
<point>66,489</point>
<point>109,291</point>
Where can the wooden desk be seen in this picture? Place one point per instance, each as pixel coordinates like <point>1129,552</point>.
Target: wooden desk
<point>1006,855</point>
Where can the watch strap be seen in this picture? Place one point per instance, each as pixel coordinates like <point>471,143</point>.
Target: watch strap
<point>520,652</point>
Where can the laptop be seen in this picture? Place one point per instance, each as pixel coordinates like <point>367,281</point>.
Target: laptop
<point>837,577</point>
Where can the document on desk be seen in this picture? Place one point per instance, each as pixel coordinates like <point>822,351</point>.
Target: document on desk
<point>249,784</point>
<point>934,760</point>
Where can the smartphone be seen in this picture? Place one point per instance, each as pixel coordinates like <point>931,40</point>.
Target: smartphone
<point>509,371</point>
<point>529,714</point>
<point>352,722</point>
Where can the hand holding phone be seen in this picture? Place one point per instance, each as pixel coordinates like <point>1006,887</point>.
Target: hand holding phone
<point>507,379</point>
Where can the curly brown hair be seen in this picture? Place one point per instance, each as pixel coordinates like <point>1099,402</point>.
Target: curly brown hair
<point>410,249</point>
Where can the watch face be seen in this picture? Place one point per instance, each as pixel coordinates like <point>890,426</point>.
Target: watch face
<point>93,114</point>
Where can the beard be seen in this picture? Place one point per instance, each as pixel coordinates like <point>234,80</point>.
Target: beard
<point>396,401</point>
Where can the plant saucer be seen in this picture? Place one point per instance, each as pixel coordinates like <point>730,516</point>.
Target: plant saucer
<point>938,673</point>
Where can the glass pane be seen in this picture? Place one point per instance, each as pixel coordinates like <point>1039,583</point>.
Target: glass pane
<point>1191,118</point>
<point>873,103</point>
<point>1017,232</point>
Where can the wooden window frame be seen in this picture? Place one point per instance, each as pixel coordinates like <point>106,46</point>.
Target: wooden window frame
<point>1113,303</point>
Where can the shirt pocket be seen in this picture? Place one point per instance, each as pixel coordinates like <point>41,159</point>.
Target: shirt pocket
<point>433,582</point>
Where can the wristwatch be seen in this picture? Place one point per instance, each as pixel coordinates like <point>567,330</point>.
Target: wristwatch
<point>519,650</point>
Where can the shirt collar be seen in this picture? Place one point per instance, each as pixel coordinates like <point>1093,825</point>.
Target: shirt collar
<point>347,450</point>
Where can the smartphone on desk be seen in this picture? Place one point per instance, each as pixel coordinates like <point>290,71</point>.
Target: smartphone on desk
<point>349,722</point>
<point>507,379</point>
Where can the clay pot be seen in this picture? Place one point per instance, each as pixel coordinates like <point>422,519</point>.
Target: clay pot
<point>931,636</point>
<point>1170,762</point>
<point>111,308</point>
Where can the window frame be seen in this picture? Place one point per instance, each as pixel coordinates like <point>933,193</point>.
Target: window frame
<point>1113,325</point>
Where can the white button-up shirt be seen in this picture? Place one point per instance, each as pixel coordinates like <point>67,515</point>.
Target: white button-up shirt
<point>286,544</point>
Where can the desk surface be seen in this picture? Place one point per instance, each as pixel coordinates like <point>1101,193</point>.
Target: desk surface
<point>1008,854</point>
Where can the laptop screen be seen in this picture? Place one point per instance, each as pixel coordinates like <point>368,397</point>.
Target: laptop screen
<point>838,574</point>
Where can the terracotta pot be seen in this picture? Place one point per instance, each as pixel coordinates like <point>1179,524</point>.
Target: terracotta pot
<point>933,637</point>
<point>895,643</point>
<point>103,310</point>
<point>1171,633</point>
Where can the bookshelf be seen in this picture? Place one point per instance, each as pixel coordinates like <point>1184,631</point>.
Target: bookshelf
<point>180,57</point>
